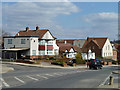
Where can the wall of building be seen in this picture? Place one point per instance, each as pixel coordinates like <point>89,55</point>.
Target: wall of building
<point>17,43</point>
<point>47,35</point>
<point>30,42</point>
<point>107,50</point>
<point>34,46</point>
<point>94,48</point>
<point>47,45</point>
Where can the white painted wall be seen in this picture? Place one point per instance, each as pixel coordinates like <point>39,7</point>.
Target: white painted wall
<point>107,49</point>
<point>91,55</point>
<point>47,35</point>
<point>84,56</point>
<point>55,50</point>
<point>34,45</point>
<point>71,53</point>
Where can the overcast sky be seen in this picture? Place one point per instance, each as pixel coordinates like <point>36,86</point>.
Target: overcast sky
<point>64,19</point>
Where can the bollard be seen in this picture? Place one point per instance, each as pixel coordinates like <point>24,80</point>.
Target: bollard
<point>111,80</point>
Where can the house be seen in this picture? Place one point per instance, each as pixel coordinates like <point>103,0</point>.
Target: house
<point>31,43</point>
<point>76,43</point>
<point>68,50</point>
<point>100,46</point>
<point>116,51</point>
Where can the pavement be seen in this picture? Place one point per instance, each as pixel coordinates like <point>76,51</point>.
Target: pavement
<point>5,69</point>
<point>45,65</point>
<point>115,85</point>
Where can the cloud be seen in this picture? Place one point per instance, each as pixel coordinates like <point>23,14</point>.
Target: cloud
<point>19,15</point>
<point>102,24</point>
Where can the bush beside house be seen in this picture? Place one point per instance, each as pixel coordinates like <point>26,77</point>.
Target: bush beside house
<point>79,59</point>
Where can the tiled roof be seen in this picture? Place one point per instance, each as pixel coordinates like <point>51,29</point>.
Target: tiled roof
<point>39,33</point>
<point>63,47</point>
<point>68,41</point>
<point>99,41</point>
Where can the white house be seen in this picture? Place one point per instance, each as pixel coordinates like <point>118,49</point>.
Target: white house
<point>36,42</point>
<point>68,50</point>
<point>100,46</point>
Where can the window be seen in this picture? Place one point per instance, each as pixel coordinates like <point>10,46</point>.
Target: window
<point>42,42</point>
<point>104,54</point>
<point>22,41</point>
<point>49,52</point>
<point>9,41</point>
<point>34,52</point>
<point>50,42</point>
<point>108,47</point>
<point>41,52</point>
<point>93,47</point>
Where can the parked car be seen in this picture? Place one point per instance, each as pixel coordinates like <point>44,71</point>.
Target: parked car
<point>95,64</point>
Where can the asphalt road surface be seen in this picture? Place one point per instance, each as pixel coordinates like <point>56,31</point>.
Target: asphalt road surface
<point>35,77</point>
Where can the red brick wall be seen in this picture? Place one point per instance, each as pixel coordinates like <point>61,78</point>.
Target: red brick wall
<point>95,49</point>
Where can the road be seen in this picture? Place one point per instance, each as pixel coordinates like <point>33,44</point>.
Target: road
<point>34,77</point>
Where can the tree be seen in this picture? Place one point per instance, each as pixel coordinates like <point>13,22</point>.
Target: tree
<point>79,59</point>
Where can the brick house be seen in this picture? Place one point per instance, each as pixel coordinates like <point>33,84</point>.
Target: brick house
<point>101,46</point>
<point>117,48</point>
<point>32,43</point>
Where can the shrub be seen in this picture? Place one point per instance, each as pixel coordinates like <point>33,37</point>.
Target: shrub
<point>52,58</point>
<point>79,59</point>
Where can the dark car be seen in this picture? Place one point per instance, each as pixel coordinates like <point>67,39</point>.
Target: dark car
<point>95,64</point>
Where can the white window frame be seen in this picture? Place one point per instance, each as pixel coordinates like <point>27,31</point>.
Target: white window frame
<point>23,41</point>
<point>33,52</point>
<point>9,41</point>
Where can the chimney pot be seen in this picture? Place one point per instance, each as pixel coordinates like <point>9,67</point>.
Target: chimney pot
<point>37,28</point>
<point>27,28</point>
<point>65,42</point>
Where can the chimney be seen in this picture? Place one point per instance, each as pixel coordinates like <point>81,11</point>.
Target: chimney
<point>18,34</point>
<point>65,42</point>
<point>27,28</point>
<point>37,28</point>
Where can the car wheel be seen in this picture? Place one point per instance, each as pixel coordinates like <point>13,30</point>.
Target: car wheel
<point>89,67</point>
<point>100,67</point>
<point>96,68</point>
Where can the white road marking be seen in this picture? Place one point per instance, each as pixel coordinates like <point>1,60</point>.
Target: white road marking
<point>42,76</point>
<point>106,79</point>
<point>49,75</point>
<point>32,78</point>
<point>19,80</point>
<point>57,74</point>
<point>78,71</point>
<point>7,85</point>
